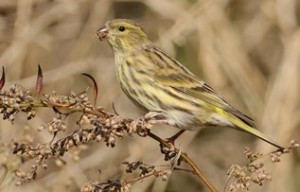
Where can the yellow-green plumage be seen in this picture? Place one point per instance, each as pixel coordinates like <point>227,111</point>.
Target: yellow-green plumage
<point>160,84</point>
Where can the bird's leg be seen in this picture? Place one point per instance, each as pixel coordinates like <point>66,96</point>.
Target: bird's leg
<point>172,139</point>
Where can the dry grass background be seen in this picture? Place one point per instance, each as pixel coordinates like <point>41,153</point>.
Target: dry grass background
<point>249,51</point>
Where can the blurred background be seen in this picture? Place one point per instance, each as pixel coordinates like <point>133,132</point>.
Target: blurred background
<point>249,51</point>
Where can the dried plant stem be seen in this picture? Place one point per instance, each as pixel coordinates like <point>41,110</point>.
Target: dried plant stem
<point>196,170</point>
<point>71,107</point>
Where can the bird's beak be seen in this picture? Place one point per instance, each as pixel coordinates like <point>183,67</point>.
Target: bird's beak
<point>102,33</point>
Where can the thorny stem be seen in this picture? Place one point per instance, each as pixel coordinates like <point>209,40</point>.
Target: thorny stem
<point>196,170</point>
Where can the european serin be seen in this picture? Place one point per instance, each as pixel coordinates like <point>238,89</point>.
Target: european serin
<point>158,83</point>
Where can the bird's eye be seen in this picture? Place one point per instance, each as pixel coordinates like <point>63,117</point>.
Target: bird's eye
<point>121,28</point>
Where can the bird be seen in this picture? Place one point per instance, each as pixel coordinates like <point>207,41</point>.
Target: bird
<point>158,83</point>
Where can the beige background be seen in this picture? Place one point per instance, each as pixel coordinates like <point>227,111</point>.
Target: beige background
<point>249,51</point>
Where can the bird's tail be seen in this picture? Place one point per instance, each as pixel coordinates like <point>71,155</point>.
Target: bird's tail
<point>241,125</point>
<point>244,123</point>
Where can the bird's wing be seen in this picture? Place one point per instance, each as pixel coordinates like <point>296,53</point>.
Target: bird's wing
<point>174,75</point>
<point>200,90</point>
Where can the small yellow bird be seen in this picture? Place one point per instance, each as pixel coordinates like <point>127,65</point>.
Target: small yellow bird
<point>169,91</point>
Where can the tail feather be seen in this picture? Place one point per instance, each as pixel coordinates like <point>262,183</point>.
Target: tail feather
<point>241,125</point>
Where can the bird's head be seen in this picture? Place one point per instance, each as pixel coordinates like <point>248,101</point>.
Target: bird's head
<point>123,35</point>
